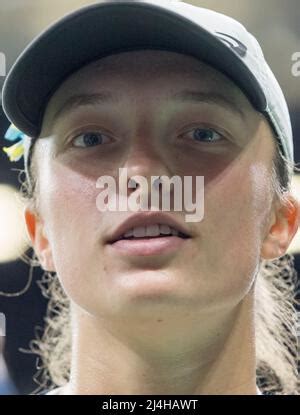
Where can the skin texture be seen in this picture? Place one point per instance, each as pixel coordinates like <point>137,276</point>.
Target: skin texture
<point>181,323</point>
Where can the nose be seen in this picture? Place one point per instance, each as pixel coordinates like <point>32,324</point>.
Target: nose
<point>145,157</point>
<point>144,163</point>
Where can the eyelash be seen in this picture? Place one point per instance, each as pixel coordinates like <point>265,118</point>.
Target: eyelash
<point>203,128</point>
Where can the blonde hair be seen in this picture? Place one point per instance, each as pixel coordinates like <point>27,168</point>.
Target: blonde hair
<point>276,320</point>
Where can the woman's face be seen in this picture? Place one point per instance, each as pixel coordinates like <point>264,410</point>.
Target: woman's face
<point>149,134</point>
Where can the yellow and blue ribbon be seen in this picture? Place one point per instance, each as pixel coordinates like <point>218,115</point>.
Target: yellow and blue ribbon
<point>16,151</point>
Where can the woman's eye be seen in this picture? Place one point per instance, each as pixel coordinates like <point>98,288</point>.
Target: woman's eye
<point>89,139</point>
<point>205,135</point>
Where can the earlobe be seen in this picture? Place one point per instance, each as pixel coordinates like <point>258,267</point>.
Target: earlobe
<point>282,229</point>
<point>40,243</point>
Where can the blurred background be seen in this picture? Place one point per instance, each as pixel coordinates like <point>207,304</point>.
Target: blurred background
<point>275,24</point>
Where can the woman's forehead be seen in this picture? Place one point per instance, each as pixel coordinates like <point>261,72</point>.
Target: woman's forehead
<point>136,72</point>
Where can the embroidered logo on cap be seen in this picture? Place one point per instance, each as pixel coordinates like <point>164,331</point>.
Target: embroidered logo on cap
<point>234,43</point>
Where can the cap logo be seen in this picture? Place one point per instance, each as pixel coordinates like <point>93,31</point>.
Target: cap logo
<point>234,43</point>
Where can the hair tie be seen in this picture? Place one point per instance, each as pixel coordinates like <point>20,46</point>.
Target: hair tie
<point>16,151</point>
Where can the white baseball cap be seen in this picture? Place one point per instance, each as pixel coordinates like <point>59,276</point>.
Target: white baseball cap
<point>113,26</point>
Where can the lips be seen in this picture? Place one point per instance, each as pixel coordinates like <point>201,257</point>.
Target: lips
<point>146,219</point>
<point>160,247</point>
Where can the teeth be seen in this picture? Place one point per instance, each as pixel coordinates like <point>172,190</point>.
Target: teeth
<point>151,230</point>
<point>128,234</point>
<point>139,231</point>
<point>165,229</point>
<point>174,232</point>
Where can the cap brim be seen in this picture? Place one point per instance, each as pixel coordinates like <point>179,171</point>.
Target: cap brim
<point>103,29</point>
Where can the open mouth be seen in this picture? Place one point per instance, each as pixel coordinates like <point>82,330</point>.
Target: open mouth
<point>151,232</point>
<point>129,238</point>
<point>155,240</point>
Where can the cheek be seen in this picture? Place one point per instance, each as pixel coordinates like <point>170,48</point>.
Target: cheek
<point>236,208</point>
<point>68,206</point>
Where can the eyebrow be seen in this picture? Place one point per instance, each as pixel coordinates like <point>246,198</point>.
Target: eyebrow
<point>185,96</point>
<point>207,97</point>
<point>83,100</point>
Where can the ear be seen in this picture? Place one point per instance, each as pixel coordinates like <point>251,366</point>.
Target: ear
<point>284,225</point>
<point>36,232</point>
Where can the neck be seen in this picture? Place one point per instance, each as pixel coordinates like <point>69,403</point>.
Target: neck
<point>212,353</point>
